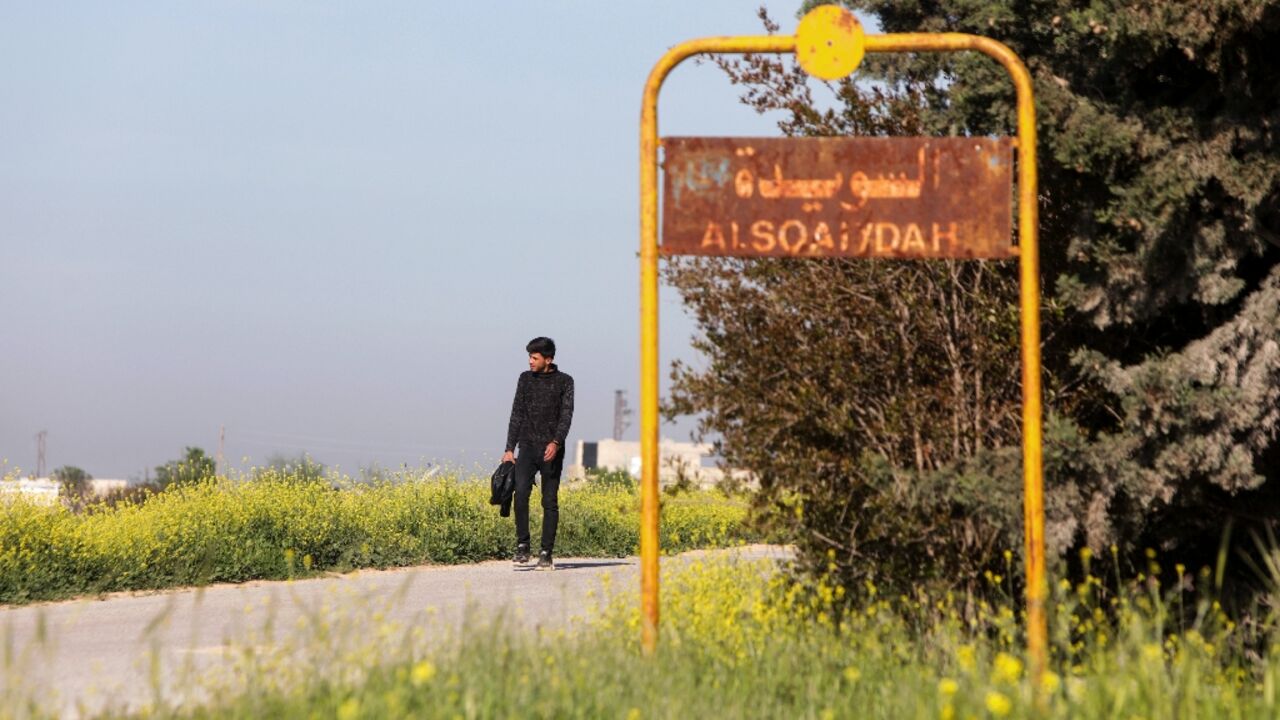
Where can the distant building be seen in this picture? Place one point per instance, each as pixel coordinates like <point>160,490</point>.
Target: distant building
<point>44,491</point>
<point>41,491</point>
<point>676,459</point>
<point>102,486</point>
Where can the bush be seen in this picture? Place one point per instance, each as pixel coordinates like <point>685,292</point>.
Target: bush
<point>194,466</point>
<point>73,483</point>
<point>128,495</point>
<point>739,640</point>
<point>302,468</point>
<point>277,525</point>
<point>612,477</point>
<point>1162,303</point>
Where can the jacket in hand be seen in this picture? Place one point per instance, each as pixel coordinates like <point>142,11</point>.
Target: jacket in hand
<point>502,487</point>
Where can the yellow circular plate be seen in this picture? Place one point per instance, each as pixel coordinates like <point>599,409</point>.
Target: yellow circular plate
<point>829,42</point>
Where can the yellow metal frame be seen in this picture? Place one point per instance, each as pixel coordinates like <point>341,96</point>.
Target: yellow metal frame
<point>1029,262</point>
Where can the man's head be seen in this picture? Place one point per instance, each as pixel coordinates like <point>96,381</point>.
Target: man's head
<point>542,351</point>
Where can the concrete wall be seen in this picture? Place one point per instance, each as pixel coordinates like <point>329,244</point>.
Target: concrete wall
<point>102,487</point>
<point>675,458</point>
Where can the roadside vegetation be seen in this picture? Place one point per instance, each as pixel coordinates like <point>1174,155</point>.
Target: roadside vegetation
<point>275,524</point>
<point>884,423</point>
<point>879,407</point>
<point>740,639</point>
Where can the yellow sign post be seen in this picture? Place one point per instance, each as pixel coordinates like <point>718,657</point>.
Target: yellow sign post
<point>829,44</point>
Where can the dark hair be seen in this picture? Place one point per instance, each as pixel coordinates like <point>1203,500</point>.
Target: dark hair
<point>544,346</point>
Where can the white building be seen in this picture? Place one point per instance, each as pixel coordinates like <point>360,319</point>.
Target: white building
<point>41,491</point>
<point>676,459</point>
<point>102,486</point>
<point>44,491</point>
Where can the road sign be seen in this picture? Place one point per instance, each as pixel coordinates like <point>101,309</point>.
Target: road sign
<point>838,197</point>
<point>828,43</point>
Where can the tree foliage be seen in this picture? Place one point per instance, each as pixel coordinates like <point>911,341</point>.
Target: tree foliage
<point>194,465</point>
<point>301,468</point>
<point>73,482</point>
<point>877,400</point>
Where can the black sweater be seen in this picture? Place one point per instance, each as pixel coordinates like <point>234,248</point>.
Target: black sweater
<point>542,410</point>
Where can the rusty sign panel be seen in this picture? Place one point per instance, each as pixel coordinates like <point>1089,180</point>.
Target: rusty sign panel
<point>838,197</point>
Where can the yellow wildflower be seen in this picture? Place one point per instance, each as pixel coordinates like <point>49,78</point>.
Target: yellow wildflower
<point>998,703</point>
<point>966,657</point>
<point>948,687</point>
<point>423,672</point>
<point>1007,669</point>
<point>349,710</point>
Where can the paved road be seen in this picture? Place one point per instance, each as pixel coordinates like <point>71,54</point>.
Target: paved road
<point>85,655</point>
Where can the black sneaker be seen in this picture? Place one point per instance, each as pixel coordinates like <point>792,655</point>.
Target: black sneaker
<point>522,554</point>
<point>544,561</point>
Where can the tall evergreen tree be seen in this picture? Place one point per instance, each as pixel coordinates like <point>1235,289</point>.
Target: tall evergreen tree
<point>1161,231</point>
<point>1160,236</point>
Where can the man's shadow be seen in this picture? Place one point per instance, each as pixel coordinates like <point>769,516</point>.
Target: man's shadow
<point>579,565</point>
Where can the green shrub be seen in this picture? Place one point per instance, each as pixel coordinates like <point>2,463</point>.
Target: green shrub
<point>277,524</point>
<point>612,477</point>
<point>1161,306</point>
<point>739,640</point>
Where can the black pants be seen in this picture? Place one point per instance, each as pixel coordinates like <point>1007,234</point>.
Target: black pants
<point>528,462</point>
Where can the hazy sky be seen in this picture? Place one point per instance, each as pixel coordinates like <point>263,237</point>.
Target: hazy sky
<point>328,227</point>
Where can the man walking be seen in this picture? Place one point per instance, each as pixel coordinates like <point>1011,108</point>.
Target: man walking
<point>540,417</point>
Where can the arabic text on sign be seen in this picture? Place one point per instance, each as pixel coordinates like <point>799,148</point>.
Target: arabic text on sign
<point>895,197</point>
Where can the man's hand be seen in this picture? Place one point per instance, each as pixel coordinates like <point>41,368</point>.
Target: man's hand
<point>508,456</point>
<point>552,448</point>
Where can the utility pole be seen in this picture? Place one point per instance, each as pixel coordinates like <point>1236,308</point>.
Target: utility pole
<point>222,442</point>
<point>621,414</point>
<point>40,436</point>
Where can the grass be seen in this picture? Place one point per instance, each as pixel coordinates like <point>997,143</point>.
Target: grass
<point>278,525</point>
<point>740,640</point>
